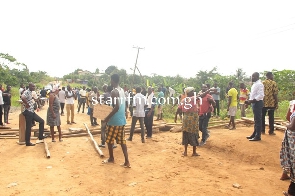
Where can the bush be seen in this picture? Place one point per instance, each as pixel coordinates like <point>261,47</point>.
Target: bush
<point>282,109</point>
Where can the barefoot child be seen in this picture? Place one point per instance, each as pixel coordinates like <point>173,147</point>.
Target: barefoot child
<point>190,121</point>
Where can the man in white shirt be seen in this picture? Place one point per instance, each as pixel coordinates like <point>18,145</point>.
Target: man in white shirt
<point>82,99</point>
<point>256,99</point>
<point>70,96</point>
<point>171,92</point>
<point>21,90</point>
<point>138,113</point>
<point>62,99</point>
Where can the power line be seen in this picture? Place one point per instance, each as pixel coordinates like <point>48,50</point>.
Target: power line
<point>135,66</point>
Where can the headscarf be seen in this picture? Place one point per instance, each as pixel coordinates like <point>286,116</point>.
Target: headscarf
<point>188,89</point>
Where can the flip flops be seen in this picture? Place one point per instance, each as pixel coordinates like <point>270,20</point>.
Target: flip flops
<point>125,166</point>
<point>107,161</point>
<point>285,193</point>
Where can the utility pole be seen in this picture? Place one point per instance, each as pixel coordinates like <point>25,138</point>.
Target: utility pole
<point>135,66</point>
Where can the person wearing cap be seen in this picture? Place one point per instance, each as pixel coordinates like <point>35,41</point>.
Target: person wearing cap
<point>53,115</point>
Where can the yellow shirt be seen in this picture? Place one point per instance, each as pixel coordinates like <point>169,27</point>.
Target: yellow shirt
<point>233,93</point>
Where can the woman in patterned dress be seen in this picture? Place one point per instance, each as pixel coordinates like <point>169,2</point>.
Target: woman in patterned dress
<point>287,154</point>
<point>53,115</point>
<point>190,121</point>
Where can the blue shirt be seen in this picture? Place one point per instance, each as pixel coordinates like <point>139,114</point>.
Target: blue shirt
<point>160,100</point>
<point>119,119</point>
<point>215,96</point>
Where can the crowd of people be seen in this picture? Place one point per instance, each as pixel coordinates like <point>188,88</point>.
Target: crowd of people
<point>194,110</point>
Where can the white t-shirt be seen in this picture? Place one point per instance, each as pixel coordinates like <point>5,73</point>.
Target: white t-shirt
<point>20,91</point>
<point>139,102</point>
<point>62,96</point>
<point>1,98</point>
<point>71,99</point>
<point>171,92</point>
<point>149,100</point>
<point>34,95</point>
<point>82,93</point>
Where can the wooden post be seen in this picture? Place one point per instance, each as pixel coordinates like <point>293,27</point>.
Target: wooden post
<point>22,129</point>
<point>46,149</point>
<point>94,142</point>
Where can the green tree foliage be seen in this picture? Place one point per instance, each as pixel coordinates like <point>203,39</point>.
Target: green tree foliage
<point>286,83</point>
<point>111,69</point>
<point>15,73</point>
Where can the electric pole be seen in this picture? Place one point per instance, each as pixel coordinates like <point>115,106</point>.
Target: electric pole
<point>135,66</point>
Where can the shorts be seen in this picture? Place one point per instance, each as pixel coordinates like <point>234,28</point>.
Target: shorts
<point>232,111</point>
<point>115,133</point>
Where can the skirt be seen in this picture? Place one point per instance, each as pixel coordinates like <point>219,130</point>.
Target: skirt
<point>190,129</point>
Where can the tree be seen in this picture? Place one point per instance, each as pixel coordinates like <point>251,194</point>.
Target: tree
<point>240,74</point>
<point>205,76</point>
<point>111,69</point>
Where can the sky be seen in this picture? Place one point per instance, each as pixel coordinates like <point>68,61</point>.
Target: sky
<point>176,37</point>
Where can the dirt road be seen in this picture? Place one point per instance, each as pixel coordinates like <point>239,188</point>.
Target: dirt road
<point>157,167</point>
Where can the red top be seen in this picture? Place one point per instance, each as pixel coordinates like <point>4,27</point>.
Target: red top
<point>206,106</point>
<point>190,104</point>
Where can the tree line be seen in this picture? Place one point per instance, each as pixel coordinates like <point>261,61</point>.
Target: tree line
<point>15,73</point>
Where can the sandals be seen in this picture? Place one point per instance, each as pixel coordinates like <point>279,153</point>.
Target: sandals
<point>125,166</point>
<point>232,128</point>
<point>60,140</point>
<point>53,140</point>
<point>107,161</point>
<point>285,193</point>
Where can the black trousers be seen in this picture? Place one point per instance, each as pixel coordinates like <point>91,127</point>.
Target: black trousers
<point>291,189</point>
<point>30,116</point>
<point>271,117</point>
<point>216,108</point>
<point>93,120</point>
<point>82,101</point>
<point>1,115</point>
<point>62,106</point>
<point>148,122</point>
